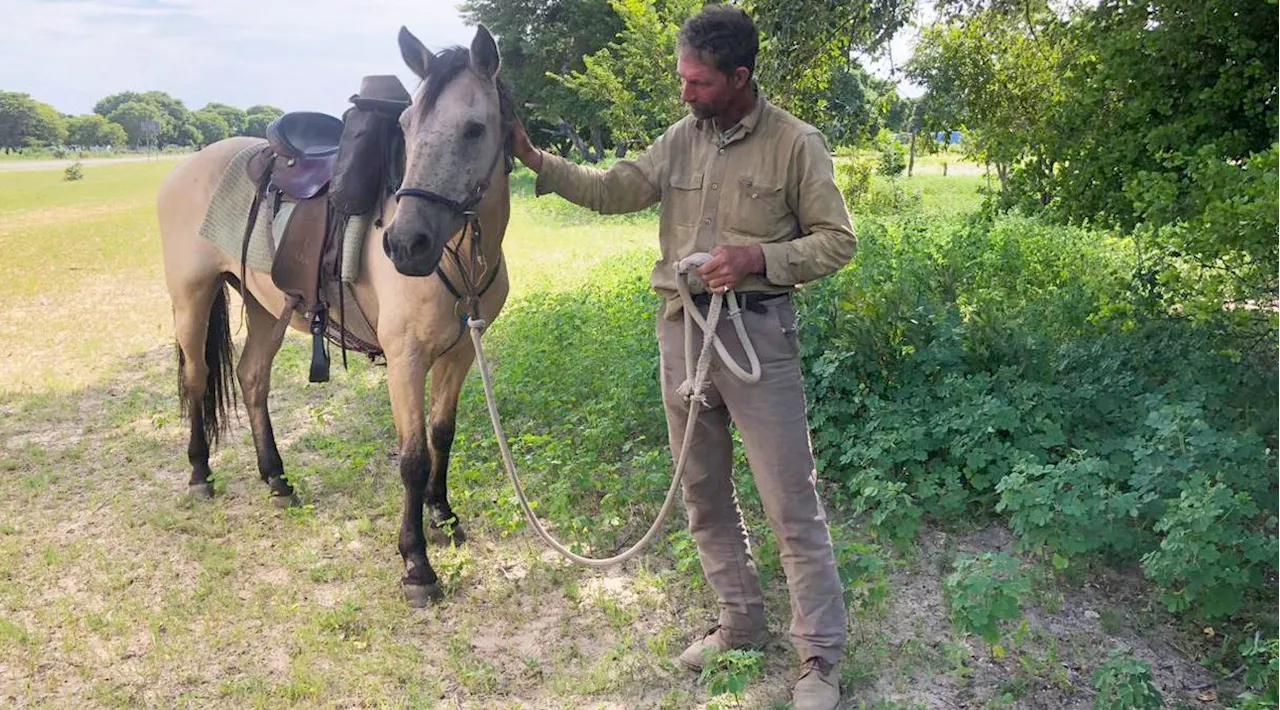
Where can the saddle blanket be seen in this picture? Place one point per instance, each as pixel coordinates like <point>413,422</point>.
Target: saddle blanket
<point>224,223</point>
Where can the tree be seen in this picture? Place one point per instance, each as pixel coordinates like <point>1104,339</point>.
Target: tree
<point>93,130</point>
<point>634,77</point>
<point>1001,74</point>
<point>108,104</point>
<point>211,125</point>
<point>543,40</point>
<point>172,115</point>
<point>1174,137</point>
<point>174,126</point>
<point>132,115</point>
<point>26,122</point>
<point>257,118</point>
<point>232,116</point>
<point>805,44</point>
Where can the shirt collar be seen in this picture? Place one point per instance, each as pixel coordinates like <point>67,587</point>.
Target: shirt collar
<point>739,130</point>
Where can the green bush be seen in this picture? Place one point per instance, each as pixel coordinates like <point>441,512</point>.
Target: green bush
<point>1262,659</point>
<point>576,378</point>
<point>1210,555</point>
<point>960,370</point>
<point>1124,683</point>
<point>853,176</point>
<point>963,369</point>
<point>892,155</point>
<point>985,592</point>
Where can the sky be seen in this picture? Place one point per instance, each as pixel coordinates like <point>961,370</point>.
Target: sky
<point>294,54</point>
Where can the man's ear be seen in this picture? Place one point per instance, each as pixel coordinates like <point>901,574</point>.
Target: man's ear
<point>741,78</point>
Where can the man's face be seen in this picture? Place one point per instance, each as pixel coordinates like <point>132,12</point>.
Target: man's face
<point>706,89</point>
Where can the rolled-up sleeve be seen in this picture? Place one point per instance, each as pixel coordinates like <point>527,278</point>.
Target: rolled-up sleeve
<point>827,240</point>
<point>628,186</point>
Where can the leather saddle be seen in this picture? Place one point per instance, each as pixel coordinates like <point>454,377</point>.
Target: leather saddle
<point>315,173</point>
<point>306,144</point>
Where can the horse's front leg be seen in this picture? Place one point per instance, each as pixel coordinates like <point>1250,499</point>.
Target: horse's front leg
<point>447,376</point>
<point>406,382</point>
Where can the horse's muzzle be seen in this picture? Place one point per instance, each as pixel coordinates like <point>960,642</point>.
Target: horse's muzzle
<point>417,255</point>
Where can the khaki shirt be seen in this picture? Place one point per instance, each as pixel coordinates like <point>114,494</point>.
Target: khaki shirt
<point>770,182</point>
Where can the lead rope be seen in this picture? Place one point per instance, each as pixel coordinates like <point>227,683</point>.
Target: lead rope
<point>691,389</point>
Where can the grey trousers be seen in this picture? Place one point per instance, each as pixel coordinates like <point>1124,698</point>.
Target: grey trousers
<point>772,420</point>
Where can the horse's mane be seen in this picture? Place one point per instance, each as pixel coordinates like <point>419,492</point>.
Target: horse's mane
<point>447,64</point>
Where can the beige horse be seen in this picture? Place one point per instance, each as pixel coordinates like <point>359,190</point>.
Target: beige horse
<point>455,136</point>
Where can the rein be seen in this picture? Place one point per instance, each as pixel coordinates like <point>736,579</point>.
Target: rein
<point>691,390</point>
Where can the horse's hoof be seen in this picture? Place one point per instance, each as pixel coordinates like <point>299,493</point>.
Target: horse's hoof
<point>200,491</point>
<point>420,595</point>
<point>286,501</point>
<point>446,534</point>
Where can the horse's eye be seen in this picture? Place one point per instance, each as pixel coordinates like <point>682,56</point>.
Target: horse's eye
<point>474,130</point>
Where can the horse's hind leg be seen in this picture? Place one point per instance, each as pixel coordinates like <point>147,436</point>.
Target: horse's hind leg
<point>254,372</point>
<point>202,329</point>
<point>447,376</point>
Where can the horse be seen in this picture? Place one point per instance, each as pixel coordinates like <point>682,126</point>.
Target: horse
<point>456,132</point>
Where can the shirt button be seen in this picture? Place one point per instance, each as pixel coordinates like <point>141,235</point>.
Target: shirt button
<point>722,151</point>
<point>715,186</point>
<point>707,221</point>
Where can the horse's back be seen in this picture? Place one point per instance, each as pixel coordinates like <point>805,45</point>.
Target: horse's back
<point>182,203</point>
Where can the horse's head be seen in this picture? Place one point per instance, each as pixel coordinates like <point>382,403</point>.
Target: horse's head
<point>454,135</point>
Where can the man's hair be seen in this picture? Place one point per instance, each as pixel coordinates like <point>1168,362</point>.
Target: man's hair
<point>724,33</point>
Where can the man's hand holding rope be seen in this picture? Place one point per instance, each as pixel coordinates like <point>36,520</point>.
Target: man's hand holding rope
<point>730,265</point>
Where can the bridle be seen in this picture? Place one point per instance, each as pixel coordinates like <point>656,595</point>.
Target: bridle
<point>474,274</point>
<point>465,207</point>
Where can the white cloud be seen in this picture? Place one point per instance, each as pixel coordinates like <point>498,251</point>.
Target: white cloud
<point>295,55</point>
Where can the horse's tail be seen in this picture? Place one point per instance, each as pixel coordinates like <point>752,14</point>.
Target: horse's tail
<point>218,358</point>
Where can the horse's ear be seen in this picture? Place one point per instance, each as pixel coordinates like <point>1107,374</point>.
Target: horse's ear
<point>484,53</point>
<point>415,53</point>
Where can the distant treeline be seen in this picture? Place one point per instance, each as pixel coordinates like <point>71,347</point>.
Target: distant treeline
<point>126,119</point>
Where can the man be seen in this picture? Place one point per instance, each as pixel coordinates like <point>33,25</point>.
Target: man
<point>754,186</point>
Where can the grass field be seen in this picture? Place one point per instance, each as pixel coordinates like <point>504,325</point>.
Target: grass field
<point>117,592</point>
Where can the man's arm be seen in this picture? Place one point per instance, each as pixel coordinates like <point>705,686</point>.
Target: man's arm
<point>629,186</point>
<point>827,242</point>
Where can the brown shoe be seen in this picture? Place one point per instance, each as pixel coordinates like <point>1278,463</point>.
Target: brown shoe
<point>818,687</point>
<point>717,641</point>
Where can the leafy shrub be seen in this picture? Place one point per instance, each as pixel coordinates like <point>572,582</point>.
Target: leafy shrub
<point>961,369</point>
<point>1124,683</point>
<point>74,171</point>
<point>853,176</point>
<point>1210,556</point>
<point>984,592</point>
<point>892,155</point>
<point>576,378</point>
<point>1262,659</point>
<point>890,197</point>
<point>730,672</point>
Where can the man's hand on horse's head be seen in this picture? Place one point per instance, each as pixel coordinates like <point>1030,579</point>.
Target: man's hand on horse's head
<point>523,147</point>
<point>730,265</point>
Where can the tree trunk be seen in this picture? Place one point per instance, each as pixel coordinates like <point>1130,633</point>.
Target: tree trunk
<point>911,162</point>
<point>576,139</point>
<point>621,151</point>
<point>597,142</point>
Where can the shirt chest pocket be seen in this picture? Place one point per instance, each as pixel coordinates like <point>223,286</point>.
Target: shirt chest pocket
<point>683,200</point>
<point>760,209</point>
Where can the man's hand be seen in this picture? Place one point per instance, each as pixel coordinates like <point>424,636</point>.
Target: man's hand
<point>730,265</point>
<point>523,147</point>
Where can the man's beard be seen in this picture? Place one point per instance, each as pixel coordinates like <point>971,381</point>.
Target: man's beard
<point>701,111</point>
